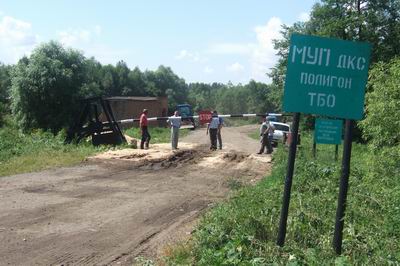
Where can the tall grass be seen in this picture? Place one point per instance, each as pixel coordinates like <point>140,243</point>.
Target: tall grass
<point>20,153</point>
<point>243,230</point>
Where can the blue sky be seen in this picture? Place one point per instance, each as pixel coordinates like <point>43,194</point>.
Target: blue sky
<point>202,41</point>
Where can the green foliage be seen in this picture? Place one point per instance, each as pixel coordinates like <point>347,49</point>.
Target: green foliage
<point>254,97</point>
<point>46,88</point>
<point>38,150</point>
<point>3,111</point>
<point>5,83</point>
<point>158,134</point>
<point>20,153</point>
<point>365,20</point>
<point>179,254</point>
<point>243,230</point>
<point>381,124</point>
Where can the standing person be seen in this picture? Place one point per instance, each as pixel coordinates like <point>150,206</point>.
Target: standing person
<point>270,132</point>
<point>219,138</point>
<point>265,128</point>
<point>175,123</point>
<point>213,127</point>
<point>144,143</point>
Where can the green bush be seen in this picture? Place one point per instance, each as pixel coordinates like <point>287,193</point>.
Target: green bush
<point>21,153</point>
<point>3,111</point>
<point>382,124</point>
<point>243,230</point>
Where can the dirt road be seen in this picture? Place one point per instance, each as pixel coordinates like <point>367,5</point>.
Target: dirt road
<point>121,204</point>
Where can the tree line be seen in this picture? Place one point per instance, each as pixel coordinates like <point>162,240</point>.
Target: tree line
<point>44,89</point>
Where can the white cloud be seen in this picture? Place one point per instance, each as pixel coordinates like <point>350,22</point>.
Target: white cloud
<point>98,30</point>
<point>260,54</point>
<point>208,70</point>
<point>264,55</point>
<point>236,67</point>
<point>106,54</point>
<point>87,40</point>
<point>16,39</point>
<point>182,54</point>
<point>304,16</point>
<point>77,37</point>
<point>190,56</point>
<point>231,48</point>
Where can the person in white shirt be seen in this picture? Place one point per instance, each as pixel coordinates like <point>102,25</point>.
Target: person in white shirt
<point>175,124</point>
<point>266,130</point>
<point>213,128</point>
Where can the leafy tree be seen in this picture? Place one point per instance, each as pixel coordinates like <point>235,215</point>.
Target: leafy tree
<point>47,87</point>
<point>164,82</point>
<point>374,21</point>
<point>121,74</point>
<point>109,81</point>
<point>203,96</point>
<point>136,84</point>
<point>5,85</point>
<point>381,124</point>
<point>93,86</point>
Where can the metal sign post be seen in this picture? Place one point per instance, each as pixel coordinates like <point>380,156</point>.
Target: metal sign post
<point>336,152</point>
<point>344,184</point>
<point>314,149</point>
<point>288,181</point>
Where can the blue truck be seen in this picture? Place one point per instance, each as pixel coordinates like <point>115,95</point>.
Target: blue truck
<point>186,112</point>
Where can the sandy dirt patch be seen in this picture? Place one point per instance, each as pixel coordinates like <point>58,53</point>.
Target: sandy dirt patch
<point>121,204</point>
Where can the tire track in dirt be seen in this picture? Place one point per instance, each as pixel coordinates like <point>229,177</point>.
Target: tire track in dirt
<point>120,204</point>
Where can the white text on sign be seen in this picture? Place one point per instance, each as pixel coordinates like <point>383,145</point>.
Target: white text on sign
<point>322,99</point>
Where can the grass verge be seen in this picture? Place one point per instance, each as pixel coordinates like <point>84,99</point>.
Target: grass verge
<point>243,230</point>
<point>158,134</point>
<point>24,153</point>
<point>21,153</point>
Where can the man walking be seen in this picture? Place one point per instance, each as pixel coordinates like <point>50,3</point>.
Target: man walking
<point>144,143</point>
<point>175,123</point>
<point>213,128</point>
<point>266,129</point>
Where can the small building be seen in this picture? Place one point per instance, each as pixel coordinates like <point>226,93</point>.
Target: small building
<point>132,107</point>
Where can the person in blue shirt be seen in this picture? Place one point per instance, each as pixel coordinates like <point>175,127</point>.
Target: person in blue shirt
<point>213,128</point>
<point>175,124</point>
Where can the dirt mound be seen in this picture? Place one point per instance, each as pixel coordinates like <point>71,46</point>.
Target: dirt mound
<point>234,157</point>
<point>176,159</point>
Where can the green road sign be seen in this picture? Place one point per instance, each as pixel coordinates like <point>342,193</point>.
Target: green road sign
<point>326,76</point>
<point>328,131</point>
